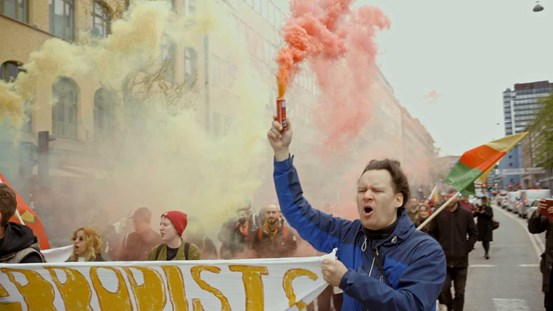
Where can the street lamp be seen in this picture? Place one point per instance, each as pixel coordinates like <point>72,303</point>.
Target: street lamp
<point>538,7</point>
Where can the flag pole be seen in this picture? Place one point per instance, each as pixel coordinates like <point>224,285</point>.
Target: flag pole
<point>432,193</point>
<point>435,213</point>
<point>19,217</point>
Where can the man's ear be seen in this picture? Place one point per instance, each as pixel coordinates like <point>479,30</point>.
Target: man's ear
<point>399,199</point>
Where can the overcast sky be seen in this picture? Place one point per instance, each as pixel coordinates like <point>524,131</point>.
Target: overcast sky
<point>449,62</point>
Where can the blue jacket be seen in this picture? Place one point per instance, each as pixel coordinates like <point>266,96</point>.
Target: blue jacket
<point>413,261</point>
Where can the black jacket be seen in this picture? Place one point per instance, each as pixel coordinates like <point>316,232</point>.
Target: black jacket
<point>17,238</point>
<point>457,234</point>
<point>484,223</point>
<point>539,224</point>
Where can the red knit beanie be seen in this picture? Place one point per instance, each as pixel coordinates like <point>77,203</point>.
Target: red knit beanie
<point>178,219</point>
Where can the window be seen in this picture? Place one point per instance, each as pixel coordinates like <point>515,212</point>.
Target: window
<point>17,9</point>
<point>264,12</point>
<point>9,71</point>
<point>190,66</point>
<point>168,59</point>
<point>64,108</point>
<point>101,20</point>
<point>215,77</point>
<point>188,6</point>
<point>104,116</point>
<point>62,18</point>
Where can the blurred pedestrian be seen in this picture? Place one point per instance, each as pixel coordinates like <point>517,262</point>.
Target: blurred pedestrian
<point>18,244</point>
<point>424,212</point>
<point>542,220</point>
<point>171,227</point>
<point>139,243</point>
<point>195,234</point>
<point>237,234</point>
<point>484,215</point>
<point>454,228</point>
<point>87,245</point>
<point>113,238</point>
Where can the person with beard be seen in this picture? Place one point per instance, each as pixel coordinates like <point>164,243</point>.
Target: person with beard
<point>455,230</point>
<point>87,245</point>
<point>139,243</point>
<point>171,227</point>
<point>18,244</point>
<point>274,239</point>
<point>383,262</point>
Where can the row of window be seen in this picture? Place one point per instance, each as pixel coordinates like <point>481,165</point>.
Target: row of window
<point>268,10</point>
<point>65,120</point>
<point>16,9</point>
<point>65,94</point>
<point>62,15</point>
<point>533,92</point>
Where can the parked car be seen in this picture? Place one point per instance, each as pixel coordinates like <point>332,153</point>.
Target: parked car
<point>529,197</point>
<point>513,201</point>
<point>500,199</point>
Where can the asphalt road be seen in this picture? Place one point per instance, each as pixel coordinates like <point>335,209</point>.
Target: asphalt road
<point>510,279</point>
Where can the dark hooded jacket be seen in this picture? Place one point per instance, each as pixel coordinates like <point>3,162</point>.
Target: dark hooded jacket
<point>539,224</point>
<point>19,245</point>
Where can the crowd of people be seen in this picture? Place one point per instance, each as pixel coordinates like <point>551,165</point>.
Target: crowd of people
<point>383,262</point>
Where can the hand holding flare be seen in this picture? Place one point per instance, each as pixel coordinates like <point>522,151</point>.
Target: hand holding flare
<point>279,139</point>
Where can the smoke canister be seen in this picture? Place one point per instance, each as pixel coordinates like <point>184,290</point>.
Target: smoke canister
<point>281,111</point>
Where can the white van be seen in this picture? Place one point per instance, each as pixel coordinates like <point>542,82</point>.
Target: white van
<point>530,197</point>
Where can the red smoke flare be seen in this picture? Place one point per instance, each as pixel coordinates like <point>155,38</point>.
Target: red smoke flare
<point>338,44</point>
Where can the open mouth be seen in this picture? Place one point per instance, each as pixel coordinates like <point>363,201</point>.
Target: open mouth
<point>368,210</point>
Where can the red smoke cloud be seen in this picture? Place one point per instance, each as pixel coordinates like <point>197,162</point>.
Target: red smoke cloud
<point>338,44</point>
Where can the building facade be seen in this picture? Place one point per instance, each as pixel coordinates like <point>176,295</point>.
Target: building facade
<point>77,110</point>
<point>520,106</point>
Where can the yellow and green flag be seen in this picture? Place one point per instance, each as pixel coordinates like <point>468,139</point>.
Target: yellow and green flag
<point>475,162</point>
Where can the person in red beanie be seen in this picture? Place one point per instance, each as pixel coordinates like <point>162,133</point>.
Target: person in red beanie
<point>171,227</point>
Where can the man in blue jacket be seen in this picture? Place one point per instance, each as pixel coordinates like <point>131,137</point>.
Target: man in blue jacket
<point>383,263</point>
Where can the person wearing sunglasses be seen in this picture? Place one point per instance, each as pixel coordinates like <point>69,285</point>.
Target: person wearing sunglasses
<point>87,245</point>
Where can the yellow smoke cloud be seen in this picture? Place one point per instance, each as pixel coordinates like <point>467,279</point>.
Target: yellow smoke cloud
<point>165,160</point>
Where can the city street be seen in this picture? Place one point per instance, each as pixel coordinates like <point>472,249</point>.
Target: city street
<point>511,279</point>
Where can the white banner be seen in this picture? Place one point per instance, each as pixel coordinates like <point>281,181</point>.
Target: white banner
<point>247,284</point>
<point>59,254</point>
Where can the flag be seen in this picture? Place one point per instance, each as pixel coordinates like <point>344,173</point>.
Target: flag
<point>434,195</point>
<point>475,162</point>
<point>29,217</point>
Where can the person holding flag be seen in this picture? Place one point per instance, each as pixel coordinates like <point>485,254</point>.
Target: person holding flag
<point>383,262</point>
<point>455,229</point>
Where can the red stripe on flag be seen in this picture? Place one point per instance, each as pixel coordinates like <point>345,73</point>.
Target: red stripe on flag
<point>481,157</point>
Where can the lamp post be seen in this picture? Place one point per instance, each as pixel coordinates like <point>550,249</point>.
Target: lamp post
<point>538,7</point>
